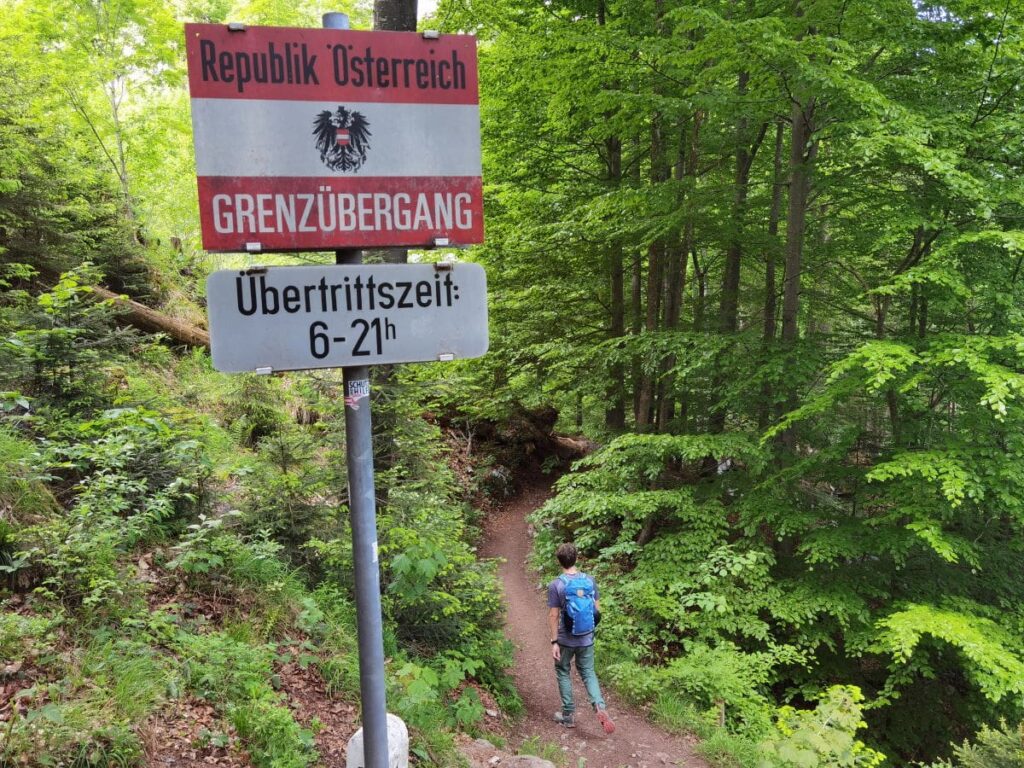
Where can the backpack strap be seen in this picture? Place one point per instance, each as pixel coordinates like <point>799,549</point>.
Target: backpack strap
<point>565,579</point>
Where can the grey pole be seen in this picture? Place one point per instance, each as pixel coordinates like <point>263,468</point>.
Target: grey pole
<point>363,514</point>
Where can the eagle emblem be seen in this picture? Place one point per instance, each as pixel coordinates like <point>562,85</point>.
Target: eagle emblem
<point>342,138</point>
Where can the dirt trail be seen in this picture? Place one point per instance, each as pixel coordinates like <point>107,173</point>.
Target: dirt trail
<point>635,743</point>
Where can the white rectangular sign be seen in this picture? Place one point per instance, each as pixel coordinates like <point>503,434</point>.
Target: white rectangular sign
<point>294,318</point>
<point>315,139</point>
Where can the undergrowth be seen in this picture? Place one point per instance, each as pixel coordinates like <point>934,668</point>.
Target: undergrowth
<point>166,533</point>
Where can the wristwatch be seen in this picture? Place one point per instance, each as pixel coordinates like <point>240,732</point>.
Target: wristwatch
<point>553,642</point>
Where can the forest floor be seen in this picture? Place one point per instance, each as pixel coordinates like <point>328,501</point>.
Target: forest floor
<point>636,743</point>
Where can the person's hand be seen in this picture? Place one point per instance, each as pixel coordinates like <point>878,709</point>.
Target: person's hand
<point>556,651</point>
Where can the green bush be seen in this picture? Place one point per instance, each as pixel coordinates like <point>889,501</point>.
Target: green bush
<point>1001,747</point>
<point>90,716</point>
<point>271,735</point>
<point>58,342</point>
<point>287,496</point>
<point>24,636</point>
<point>77,733</point>
<point>708,678</point>
<point>252,409</point>
<point>236,677</point>
<point>824,736</point>
<point>23,493</point>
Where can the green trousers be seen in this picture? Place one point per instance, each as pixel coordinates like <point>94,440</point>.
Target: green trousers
<point>585,665</point>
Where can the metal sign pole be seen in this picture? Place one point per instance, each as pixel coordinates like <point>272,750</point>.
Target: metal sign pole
<point>363,515</point>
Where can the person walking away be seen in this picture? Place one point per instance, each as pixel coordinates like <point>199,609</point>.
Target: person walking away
<point>573,613</point>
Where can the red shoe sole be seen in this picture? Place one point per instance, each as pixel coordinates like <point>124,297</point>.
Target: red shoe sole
<point>605,721</point>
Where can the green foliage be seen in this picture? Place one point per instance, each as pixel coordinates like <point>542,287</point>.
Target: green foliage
<point>705,679</point>
<point>252,409</point>
<point>721,746</point>
<point>22,486</point>
<point>72,734</point>
<point>134,476</point>
<point>990,661</point>
<point>1001,747</point>
<point>542,749</point>
<point>422,687</point>
<point>201,550</point>
<point>288,494</point>
<point>825,736</point>
<point>236,676</point>
<point>272,734</point>
<point>54,344</point>
<point>25,636</point>
<point>833,499</point>
<point>87,717</point>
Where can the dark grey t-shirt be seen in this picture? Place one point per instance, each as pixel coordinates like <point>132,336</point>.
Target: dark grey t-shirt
<point>556,599</point>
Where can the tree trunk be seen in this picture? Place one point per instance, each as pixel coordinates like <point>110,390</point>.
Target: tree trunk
<point>728,307</point>
<point>145,319</point>
<point>395,15</point>
<point>674,277</point>
<point>729,303</point>
<point>679,254</point>
<point>645,400</point>
<point>800,156</point>
<point>636,321</point>
<point>655,275</point>
<point>770,300</point>
<point>700,291</point>
<point>615,414</point>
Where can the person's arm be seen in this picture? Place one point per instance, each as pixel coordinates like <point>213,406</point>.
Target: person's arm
<point>556,650</point>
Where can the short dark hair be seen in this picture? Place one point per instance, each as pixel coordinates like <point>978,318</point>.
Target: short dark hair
<point>566,554</point>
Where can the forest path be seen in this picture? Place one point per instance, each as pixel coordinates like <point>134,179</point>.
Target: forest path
<point>636,743</point>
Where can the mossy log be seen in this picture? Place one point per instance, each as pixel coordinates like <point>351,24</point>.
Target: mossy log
<point>146,319</point>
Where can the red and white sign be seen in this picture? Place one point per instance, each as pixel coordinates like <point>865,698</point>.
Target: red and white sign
<point>313,139</point>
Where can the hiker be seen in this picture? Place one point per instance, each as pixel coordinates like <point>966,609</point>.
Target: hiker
<point>573,614</point>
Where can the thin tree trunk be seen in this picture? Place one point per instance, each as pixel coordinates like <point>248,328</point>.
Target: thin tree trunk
<point>700,291</point>
<point>799,187</point>
<point>679,254</point>
<point>770,301</point>
<point>728,306</point>
<point>636,287</point>
<point>655,274</point>
<point>654,279</point>
<point>615,415</point>
<point>800,156</point>
<point>396,15</point>
<point>728,320</point>
<point>636,321</point>
<point>674,279</point>
<point>114,100</point>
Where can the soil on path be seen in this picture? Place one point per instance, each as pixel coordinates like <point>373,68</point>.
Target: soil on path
<point>636,743</point>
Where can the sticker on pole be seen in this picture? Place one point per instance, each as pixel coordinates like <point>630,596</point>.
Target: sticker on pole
<point>313,139</point>
<point>295,318</point>
<point>356,390</point>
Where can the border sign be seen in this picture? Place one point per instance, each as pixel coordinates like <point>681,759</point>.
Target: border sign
<point>314,139</point>
<point>293,318</point>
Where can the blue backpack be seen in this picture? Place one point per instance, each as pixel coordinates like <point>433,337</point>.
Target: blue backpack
<point>580,614</point>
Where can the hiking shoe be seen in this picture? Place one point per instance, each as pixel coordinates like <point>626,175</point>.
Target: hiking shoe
<point>565,719</point>
<point>605,721</point>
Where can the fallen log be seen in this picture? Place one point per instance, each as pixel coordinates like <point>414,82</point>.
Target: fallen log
<point>142,317</point>
<point>146,319</point>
